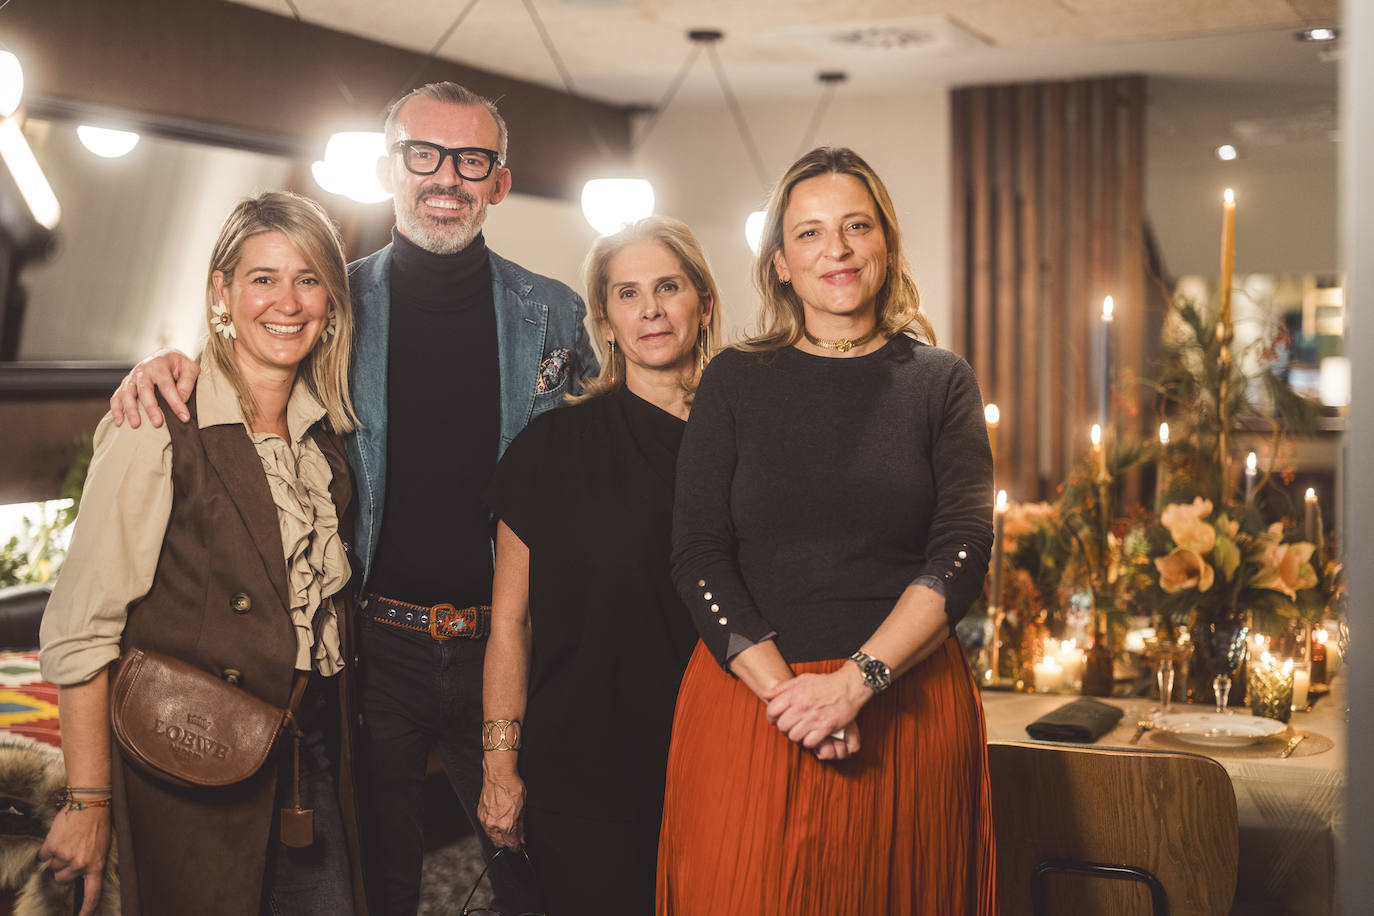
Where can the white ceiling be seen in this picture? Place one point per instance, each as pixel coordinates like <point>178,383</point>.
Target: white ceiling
<point>628,51</point>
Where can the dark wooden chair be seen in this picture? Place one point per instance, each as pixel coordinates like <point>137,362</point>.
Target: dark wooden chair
<point>1085,830</point>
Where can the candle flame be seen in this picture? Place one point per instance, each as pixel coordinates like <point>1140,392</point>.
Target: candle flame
<point>992,414</point>
<point>1096,435</point>
<point>1002,500</point>
<point>1108,309</point>
<point>1311,495</point>
<point>1251,463</point>
<point>1164,434</point>
<point>1229,196</point>
<point>1319,636</point>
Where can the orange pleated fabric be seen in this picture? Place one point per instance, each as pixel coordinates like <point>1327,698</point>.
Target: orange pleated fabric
<point>753,825</point>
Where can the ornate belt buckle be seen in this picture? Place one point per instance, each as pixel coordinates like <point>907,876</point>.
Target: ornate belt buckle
<point>446,632</point>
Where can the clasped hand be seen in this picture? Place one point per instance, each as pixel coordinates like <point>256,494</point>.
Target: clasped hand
<point>810,709</point>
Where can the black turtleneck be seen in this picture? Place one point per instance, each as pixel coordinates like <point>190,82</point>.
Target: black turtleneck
<point>443,427</point>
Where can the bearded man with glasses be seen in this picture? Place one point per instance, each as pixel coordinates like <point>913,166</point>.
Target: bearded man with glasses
<point>456,349</point>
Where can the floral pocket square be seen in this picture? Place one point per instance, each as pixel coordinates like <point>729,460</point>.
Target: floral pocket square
<point>553,370</point>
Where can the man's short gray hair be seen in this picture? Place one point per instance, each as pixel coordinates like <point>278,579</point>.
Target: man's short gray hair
<point>454,94</point>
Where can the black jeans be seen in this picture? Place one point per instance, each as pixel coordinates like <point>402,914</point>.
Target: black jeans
<point>315,879</point>
<point>418,694</point>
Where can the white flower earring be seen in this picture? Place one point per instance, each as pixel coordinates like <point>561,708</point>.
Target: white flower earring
<point>222,322</point>
<point>332,327</point>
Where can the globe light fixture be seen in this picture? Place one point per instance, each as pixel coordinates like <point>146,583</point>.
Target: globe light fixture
<point>349,167</point>
<point>753,230</point>
<point>610,204</point>
<point>107,142</point>
<point>1226,152</point>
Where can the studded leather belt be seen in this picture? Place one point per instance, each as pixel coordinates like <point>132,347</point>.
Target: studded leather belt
<point>441,621</point>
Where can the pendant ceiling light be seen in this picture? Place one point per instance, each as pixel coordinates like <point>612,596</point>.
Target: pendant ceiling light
<point>611,203</point>
<point>106,142</point>
<point>753,223</point>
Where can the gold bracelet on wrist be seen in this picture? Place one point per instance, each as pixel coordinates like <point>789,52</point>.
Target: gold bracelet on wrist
<point>501,735</point>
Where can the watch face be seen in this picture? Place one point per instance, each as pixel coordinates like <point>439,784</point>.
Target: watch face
<point>876,673</point>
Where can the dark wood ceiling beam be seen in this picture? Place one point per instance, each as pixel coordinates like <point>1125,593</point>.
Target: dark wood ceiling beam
<point>260,77</point>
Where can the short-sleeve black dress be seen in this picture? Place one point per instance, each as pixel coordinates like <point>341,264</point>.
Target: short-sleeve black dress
<point>589,489</point>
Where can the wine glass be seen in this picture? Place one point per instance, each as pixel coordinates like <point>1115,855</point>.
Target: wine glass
<point>1223,644</point>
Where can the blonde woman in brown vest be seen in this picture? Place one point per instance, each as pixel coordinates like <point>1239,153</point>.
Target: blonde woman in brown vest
<point>217,541</point>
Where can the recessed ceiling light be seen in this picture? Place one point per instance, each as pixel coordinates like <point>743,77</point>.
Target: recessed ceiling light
<point>1226,152</point>
<point>1317,35</point>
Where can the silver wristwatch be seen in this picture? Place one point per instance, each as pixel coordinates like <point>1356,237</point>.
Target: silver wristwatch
<point>877,675</point>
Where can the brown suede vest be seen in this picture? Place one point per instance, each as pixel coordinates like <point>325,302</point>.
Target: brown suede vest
<point>219,600</point>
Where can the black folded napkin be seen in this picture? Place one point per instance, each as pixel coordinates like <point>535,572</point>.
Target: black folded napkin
<point>1082,720</point>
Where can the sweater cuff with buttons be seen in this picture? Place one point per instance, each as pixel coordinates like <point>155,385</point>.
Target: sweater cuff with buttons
<point>958,576</point>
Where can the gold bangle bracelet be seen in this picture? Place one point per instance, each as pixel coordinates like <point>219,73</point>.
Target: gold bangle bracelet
<point>501,735</point>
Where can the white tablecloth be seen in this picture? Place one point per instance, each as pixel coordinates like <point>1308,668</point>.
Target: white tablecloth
<point>1291,811</point>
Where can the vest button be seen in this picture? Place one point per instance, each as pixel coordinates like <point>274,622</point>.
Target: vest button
<point>241,603</point>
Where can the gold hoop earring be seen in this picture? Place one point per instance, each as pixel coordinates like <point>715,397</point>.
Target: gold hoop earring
<point>703,349</point>
<point>610,360</point>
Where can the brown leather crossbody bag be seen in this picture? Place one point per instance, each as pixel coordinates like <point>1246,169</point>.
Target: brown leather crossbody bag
<point>183,725</point>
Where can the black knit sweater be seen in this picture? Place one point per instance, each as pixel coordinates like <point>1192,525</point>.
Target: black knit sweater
<point>812,490</point>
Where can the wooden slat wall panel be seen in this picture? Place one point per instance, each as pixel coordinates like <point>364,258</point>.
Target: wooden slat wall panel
<point>981,281</point>
<point>1133,340</point>
<point>1048,196</point>
<point>1080,183</point>
<point>959,224</point>
<point>1056,284</point>
<point>1025,394</point>
<point>1006,305</point>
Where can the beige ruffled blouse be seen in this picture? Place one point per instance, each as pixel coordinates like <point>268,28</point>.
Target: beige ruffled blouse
<point>124,511</point>
<point>316,566</point>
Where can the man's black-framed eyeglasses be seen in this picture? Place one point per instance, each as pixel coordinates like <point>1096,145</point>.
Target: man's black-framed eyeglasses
<point>424,158</point>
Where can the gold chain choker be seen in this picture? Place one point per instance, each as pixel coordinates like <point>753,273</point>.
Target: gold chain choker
<point>844,344</point>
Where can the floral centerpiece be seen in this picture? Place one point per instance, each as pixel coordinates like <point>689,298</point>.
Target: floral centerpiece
<point>1199,559</point>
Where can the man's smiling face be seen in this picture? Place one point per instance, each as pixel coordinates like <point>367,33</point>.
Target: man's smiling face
<point>443,212</point>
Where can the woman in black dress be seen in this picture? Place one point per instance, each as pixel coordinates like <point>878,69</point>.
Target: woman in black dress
<point>588,637</point>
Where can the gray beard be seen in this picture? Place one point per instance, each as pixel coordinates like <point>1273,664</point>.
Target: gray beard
<point>449,237</point>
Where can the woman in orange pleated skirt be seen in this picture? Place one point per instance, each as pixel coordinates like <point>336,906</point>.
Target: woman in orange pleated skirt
<point>832,520</point>
<point>758,825</point>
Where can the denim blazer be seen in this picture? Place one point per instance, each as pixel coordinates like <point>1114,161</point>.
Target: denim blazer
<point>539,333</point>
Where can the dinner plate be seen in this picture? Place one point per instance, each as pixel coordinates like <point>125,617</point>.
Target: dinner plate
<point>1215,729</point>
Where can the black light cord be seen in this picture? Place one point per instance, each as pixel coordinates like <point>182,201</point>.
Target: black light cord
<point>565,76</point>
<point>692,54</point>
<point>733,104</point>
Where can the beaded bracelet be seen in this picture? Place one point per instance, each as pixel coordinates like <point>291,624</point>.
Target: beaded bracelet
<point>74,805</point>
<point>67,797</point>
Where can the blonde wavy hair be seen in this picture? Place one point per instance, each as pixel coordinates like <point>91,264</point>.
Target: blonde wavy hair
<point>305,224</point>
<point>781,315</point>
<point>596,272</point>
